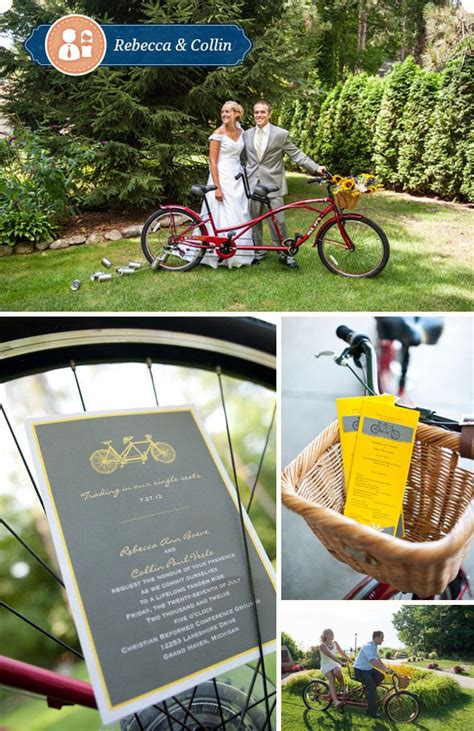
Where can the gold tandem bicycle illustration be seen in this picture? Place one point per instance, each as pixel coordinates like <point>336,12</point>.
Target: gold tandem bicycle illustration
<point>105,461</point>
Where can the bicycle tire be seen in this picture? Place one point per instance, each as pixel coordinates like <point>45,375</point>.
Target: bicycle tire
<point>163,452</point>
<point>408,707</point>
<point>328,249</point>
<point>104,462</point>
<point>244,347</point>
<point>241,347</point>
<point>316,695</point>
<point>171,255</point>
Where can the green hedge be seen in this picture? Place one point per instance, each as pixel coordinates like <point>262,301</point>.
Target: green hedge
<point>414,129</point>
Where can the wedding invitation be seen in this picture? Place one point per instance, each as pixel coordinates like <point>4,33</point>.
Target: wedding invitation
<point>380,465</point>
<point>146,527</point>
<point>348,415</point>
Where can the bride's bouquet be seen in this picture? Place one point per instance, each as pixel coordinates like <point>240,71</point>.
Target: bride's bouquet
<point>349,189</point>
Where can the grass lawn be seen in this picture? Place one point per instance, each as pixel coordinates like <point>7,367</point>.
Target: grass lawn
<point>296,717</point>
<point>430,268</point>
<point>448,665</point>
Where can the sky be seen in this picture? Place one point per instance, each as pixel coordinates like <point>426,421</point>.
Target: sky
<point>305,620</point>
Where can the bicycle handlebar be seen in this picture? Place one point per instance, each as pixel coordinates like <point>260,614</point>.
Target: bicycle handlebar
<point>360,344</point>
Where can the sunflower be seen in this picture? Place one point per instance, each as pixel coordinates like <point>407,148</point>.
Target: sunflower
<point>336,179</point>
<point>348,184</point>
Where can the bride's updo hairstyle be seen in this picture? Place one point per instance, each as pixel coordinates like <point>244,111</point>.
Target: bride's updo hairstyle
<point>238,108</point>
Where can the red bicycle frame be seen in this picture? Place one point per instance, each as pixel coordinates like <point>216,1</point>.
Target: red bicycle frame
<point>236,232</point>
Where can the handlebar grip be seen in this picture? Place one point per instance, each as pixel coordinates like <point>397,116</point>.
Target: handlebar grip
<point>345,333</point>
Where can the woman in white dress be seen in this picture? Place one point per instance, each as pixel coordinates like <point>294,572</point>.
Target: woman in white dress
<point>228,204</point>
<point>330,665</point>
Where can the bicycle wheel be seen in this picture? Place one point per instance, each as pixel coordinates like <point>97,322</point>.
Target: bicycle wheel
<point>104,462</point>
<point>316,695</point>
<point>369,255</point>
<point>164,237</point>
<point>402,707</point>
<point>190,358</point>
<point>162,452</point>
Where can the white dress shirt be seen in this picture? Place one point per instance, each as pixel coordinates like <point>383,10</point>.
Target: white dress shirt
<point>261,140</point>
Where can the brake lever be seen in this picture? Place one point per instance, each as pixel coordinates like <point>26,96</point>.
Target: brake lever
<point>341,359</point>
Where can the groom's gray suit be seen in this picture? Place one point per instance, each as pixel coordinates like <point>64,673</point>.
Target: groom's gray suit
<point>270,171</point>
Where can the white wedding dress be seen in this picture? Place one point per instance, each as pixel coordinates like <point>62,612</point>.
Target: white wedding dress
<point>234,209</point>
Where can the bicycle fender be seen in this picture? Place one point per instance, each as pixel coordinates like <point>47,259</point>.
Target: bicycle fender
<point>185,209</point>
<point>329,222</point>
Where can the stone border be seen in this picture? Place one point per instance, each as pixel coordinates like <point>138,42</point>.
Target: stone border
<point>95,237</point>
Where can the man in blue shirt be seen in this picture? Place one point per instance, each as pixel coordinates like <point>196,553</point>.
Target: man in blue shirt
<point>365,670</point>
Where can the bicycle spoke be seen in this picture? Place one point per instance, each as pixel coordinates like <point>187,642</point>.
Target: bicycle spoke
<point>190,713</point>
<point>40,629</point>
<point>20,451</point>
<point>191,701</point>
<point>149,364</point>
<point>246,549</point>
<point>31,552</point>
<point>219,705</point>
<point>249,694</point>
<point>260,464</point>
<point>73,368</point>
<point>248,708</point>
<point>170,717</point>
<point>137,719</point>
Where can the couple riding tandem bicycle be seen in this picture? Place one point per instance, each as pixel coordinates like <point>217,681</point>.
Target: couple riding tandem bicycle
<point>373,693</point>
<point>177,238</point>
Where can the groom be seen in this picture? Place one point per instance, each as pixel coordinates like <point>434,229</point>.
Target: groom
<point>265,146</point>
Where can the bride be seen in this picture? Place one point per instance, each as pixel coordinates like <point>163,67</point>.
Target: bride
<point>228,204</point>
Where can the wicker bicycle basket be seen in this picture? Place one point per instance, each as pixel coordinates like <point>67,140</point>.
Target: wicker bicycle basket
<point>438,512</point>
<point>403,681</point>
<point>347,200</point>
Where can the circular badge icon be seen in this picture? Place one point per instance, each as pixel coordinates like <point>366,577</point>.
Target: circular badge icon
<point>5,6</point>
<point>75,45</point>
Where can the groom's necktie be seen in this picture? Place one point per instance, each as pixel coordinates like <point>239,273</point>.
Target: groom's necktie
<point>259,143</point>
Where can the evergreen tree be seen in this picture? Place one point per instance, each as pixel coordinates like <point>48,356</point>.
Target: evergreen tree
<point>325,152</point>
<point>365,121</point>
<point>316,98</point>
<point>154,122</point>
<point>350,140</point>
<point>389,129</point>
<point>449,157</point>
<point>416,124</point>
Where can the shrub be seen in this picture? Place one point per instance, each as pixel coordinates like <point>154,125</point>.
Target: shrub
<point>296,684</point>
<point>323,151</point>
<point>416,123</point>
<point>459,670</point>
<point>388,654</point>
<point>433,655</point>
<point>38,188</point>
<point>312,658</point>
<point>435,690</point>
<point>347,139</point>
<point>433,666</point>
<point>388,131</point>
<point>449,155</point>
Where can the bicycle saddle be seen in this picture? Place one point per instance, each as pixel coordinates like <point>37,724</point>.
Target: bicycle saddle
<point>264,190</point>
<point>201,190</point>
<point>410,330</point>
<point>127,439</point>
